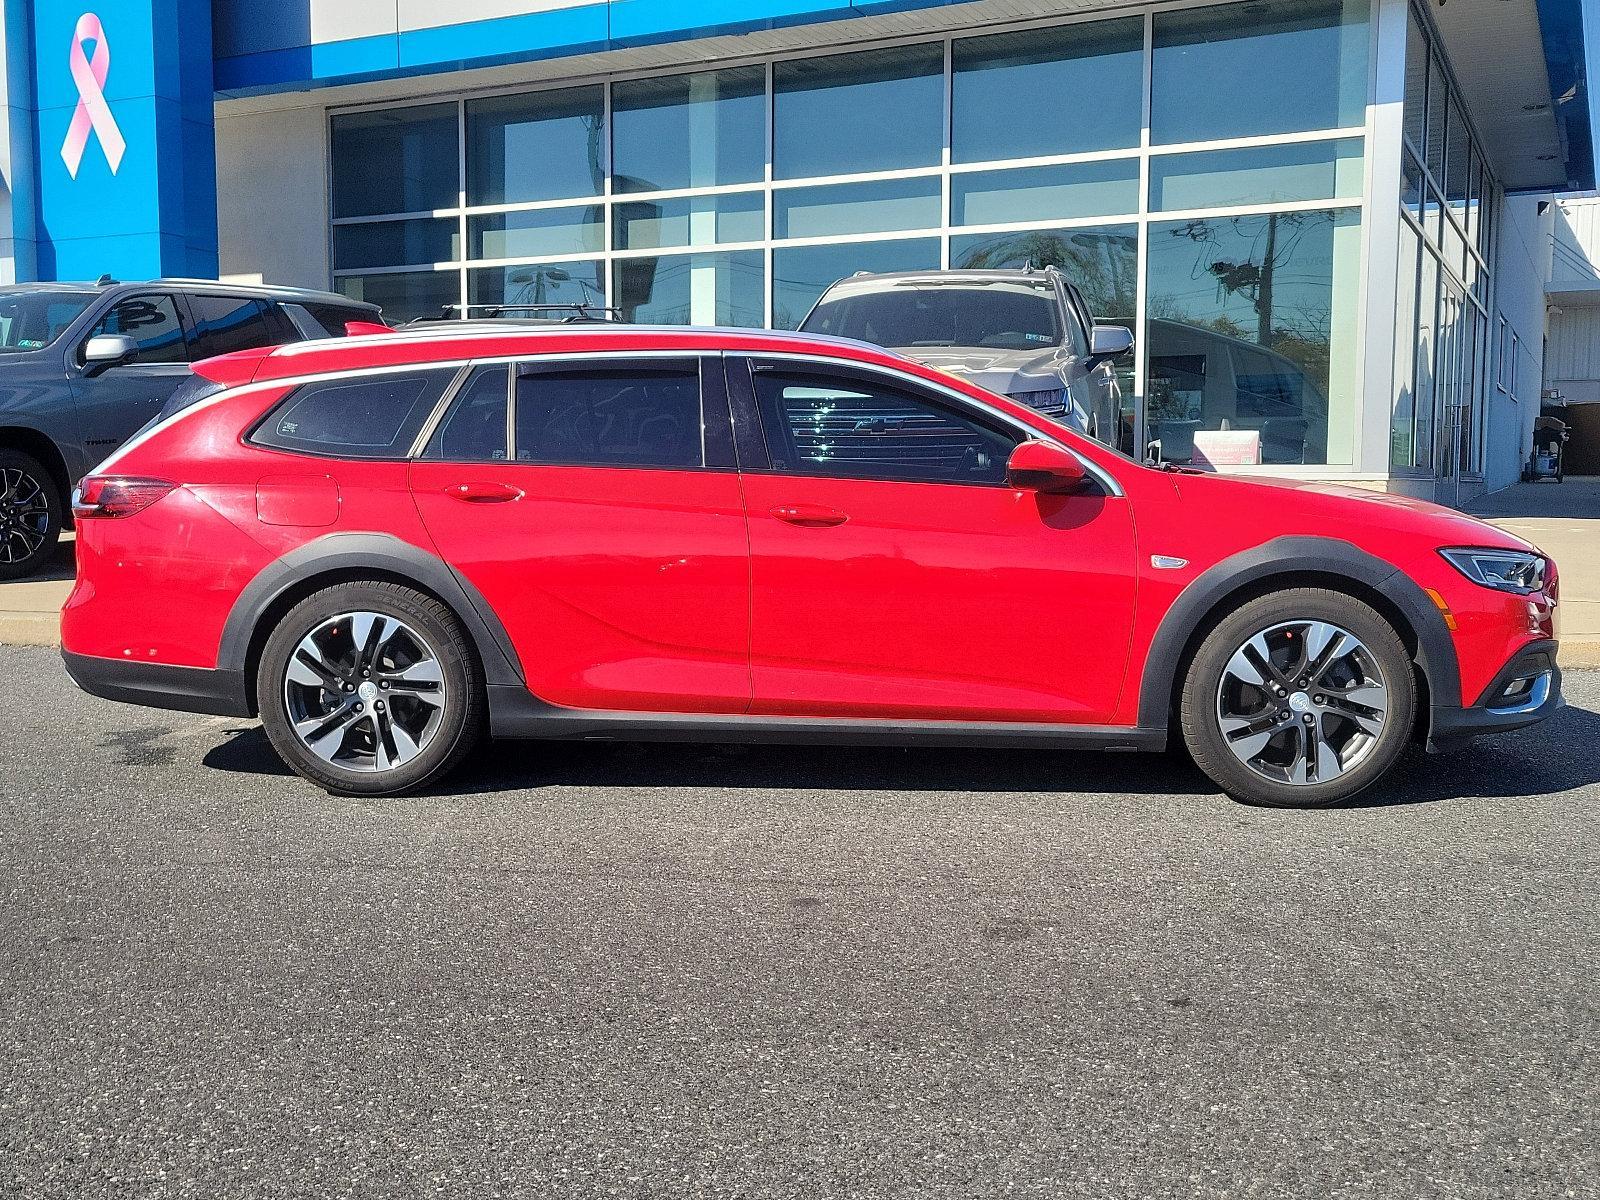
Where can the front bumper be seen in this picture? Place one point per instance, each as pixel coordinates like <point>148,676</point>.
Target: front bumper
<point>155,685</point>
<point>1525,692</point>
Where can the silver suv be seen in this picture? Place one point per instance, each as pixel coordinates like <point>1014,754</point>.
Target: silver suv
<point>1023,333</point>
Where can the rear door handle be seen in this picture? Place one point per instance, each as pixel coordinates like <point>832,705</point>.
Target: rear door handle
<point>811,516</point>
<point>483,493</point>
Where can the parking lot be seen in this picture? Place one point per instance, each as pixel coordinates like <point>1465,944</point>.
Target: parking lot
<point>652,970</point>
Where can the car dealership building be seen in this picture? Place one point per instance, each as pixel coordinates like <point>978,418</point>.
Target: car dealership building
<point>1320,217</point>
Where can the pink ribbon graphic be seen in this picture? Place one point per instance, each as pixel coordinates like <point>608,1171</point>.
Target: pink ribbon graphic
<point>92,113</point>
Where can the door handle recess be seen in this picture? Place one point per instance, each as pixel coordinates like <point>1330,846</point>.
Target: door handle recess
<point>811,516</point>
<point>483,493</point>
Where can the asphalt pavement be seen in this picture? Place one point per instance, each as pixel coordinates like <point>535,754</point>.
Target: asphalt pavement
<point>622,970</point>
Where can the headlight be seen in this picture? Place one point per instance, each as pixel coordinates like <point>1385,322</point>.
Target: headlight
<point>1503,570</point>
<point>1051,401</point>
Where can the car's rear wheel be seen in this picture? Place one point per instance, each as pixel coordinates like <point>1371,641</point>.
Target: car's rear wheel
<point>31,513</point>
<point>370,688</point>
<point>1303,698</point>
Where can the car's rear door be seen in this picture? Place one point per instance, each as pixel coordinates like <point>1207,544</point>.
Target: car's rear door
<point>595,505</point>
<point>894,572</point>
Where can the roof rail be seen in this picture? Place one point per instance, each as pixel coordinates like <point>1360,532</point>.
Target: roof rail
<point>581,311</point>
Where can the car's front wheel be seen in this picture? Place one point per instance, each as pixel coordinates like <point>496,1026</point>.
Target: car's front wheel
<point>1302,698</point>
<point>31,513</point>
<point>370,688</point>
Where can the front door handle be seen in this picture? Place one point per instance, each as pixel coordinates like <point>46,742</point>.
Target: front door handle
<point>810,516</point>
<point>483,493</point>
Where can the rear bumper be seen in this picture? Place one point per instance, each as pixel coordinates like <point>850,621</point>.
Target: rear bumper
<point>154,685</point>
<point>1535,683</point>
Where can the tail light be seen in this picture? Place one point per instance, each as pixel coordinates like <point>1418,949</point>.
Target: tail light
<point>109,497</point>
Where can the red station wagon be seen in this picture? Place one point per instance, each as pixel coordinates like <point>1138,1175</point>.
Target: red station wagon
<point>390,545</point>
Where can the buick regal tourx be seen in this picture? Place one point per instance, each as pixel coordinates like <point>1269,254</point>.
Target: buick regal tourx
<point>390,545</point>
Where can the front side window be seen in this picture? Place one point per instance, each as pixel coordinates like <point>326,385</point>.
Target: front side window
<point>377,417</point>
<point>223,324</point>
<point>855,427</point>
<point>152,322</point>
<point>624,415</point>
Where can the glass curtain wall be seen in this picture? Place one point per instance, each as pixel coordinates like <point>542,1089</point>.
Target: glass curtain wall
<point>737,196</point>
<point>1442,337</point>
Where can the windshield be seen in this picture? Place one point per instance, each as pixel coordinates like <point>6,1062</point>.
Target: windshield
<point>995,316</point>
<point>32,320</point>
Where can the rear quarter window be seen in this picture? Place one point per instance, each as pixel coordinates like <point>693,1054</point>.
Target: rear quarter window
<point>372,417</point>
<point>333,318</point>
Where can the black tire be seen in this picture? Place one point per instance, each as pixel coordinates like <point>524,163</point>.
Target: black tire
<point>1371,756</point>
<point>32,510</point>
<point>463,706</point>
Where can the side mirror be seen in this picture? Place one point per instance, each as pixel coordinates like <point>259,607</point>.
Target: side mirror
<point>1109,342</point>
<point>107,351</point>
<point>1045,468</point>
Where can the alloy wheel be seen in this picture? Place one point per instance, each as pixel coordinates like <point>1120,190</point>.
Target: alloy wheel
<point>365,692</point>
<point>1303,702</point>
<point>24,516</point>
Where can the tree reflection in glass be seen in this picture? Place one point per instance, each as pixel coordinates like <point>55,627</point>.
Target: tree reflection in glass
<point>1252,328</point>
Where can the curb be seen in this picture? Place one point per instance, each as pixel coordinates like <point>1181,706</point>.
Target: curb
<point>1579,654</point>
<point>30,629</point>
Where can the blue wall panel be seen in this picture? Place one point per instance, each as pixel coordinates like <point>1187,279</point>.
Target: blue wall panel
<point>547,33</point>
<point>153,212</point>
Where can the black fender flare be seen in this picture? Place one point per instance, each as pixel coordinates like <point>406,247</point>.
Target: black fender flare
<point>347,553</point>
<point>1436,652</point>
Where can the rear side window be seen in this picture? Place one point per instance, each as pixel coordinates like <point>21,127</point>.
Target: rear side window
<point>474,430</point>
<point>150,320</point>
<point>374,417</point>
<point>623,415</point>
<point>223,324</point>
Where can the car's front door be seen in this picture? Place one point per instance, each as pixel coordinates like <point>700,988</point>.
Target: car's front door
<point>602,522</point>
<point>114,403</point>
<point>894,572</point>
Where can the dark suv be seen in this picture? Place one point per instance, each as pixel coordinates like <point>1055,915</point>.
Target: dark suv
<point>84,365</point>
